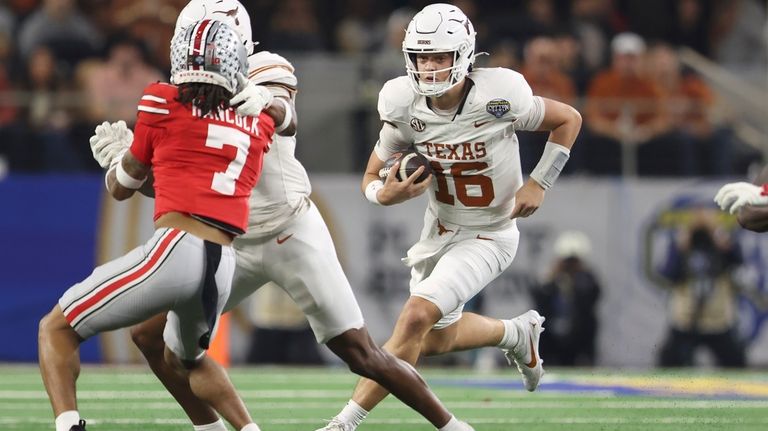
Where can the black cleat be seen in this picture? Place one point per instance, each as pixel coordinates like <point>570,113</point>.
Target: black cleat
<point>79,427</point>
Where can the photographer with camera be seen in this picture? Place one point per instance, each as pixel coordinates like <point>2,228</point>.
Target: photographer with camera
<point>703,297</point>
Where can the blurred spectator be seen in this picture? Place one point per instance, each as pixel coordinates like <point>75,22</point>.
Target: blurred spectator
<point>7,106</point>
<point>538,18</point>
<point>387,61</point>
<point>541,68</point>
<point>280,333</point>
<point>703,295</point>
<point>61,27</point>
<point>113,87</point>
<point>8,109</point>
<point>361,29</point>
<point>625,108</point>
<point>7,21</point>
<point>22,8</point>
<point>691,104</point>
<point>739,35</point>
<point>569,300</point>
<point>152,21</point>
<point>693,21</point>
<point>504,53</point>
<point>44,142</point>
<point>571,60</point>
<point>593,21</point>
<point>294,27</point>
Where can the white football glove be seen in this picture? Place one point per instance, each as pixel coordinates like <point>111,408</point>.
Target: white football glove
<point>252,98</point>
<point>109,141</point>
<point>732,197</point>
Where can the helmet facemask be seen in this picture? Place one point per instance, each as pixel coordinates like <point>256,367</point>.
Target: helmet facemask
<point>439,28</point>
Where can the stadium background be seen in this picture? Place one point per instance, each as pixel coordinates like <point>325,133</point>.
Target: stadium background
<point>58,81</point>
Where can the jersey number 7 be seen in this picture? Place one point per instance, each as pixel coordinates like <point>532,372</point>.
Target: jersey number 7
<point>218,137</point>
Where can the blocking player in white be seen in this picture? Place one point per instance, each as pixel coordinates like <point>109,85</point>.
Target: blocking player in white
<point>288,243</point>
<point>464,121</point>
<point>186,134</point>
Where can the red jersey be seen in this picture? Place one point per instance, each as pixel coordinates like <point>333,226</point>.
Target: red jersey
<point>204,166</point>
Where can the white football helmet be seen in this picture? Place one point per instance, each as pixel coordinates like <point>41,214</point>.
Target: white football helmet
<point>209,52</point>
<point>437,28</point>
<point>231,12</point>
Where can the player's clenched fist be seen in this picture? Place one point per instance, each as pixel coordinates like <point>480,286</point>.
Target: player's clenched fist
<point>109,141</point>
<point>731,197</point>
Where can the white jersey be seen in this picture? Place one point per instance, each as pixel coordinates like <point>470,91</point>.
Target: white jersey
<point>283,189</point>
<point>474,152</point>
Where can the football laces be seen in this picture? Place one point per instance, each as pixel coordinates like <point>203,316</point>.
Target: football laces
<point>384,173</point>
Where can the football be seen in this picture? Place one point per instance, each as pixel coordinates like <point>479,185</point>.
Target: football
<point>409,162</point>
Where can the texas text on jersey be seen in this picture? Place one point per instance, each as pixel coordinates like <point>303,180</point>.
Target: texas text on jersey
<point>473,151</point>
<point>199,163</point>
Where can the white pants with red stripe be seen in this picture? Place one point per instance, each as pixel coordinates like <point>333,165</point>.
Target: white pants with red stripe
<point>165,274</point>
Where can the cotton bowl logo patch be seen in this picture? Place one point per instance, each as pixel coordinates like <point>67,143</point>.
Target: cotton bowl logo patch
<point>417,124</point>
<point>497,107</point>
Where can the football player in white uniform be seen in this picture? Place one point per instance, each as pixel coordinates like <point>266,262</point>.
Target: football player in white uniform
<point>287,242</point>
<point>464,121</point>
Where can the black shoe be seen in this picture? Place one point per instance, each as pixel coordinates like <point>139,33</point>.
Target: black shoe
<point>79,427</point>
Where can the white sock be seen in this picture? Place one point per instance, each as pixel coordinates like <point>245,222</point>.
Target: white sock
<point>216,426</point>
<point>511,335</point>
<point>352,414</point>
<point>456,425</point>
<point>251,427</point>
<point>67,420</point>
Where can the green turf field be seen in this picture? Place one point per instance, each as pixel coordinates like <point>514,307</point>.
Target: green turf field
<point>283,399</point>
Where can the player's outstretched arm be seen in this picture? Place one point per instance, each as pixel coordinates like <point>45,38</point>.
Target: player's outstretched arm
<point>391,191</point>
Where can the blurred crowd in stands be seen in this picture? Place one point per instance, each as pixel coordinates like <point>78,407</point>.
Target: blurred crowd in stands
<point>67,65</point>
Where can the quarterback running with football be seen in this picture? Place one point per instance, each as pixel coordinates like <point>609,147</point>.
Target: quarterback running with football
<point>287,242</point>
<point>463,120</point>
<point>205,160</point>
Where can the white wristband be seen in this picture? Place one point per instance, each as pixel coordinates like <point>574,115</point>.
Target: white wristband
<point>550,165</point>
<point>126,180</point>
<point>288,114</point>
<point>372,190</point>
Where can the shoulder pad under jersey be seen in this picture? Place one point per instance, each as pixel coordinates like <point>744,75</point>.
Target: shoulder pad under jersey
<point>266,68</point>
<point>156,103</point>
<point>502,83</point>
<point>395,98</point>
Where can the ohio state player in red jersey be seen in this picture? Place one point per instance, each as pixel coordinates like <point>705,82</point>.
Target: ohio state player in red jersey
<point>219,163</point>
<point>205,160</point>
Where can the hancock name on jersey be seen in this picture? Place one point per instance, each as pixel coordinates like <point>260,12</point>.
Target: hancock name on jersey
<point>463,151</point>
<point>248,124</point>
